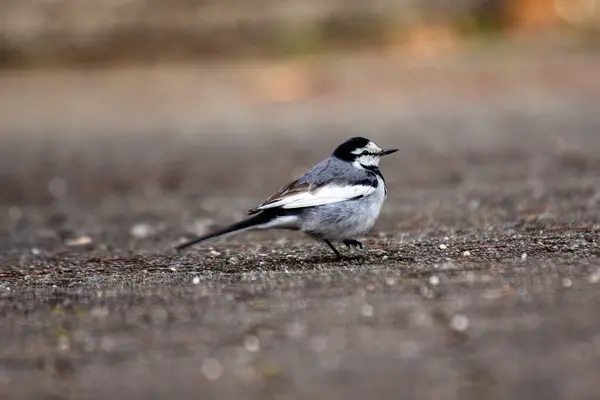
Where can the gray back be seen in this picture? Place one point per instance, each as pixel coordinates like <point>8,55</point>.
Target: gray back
<point>333,170</point>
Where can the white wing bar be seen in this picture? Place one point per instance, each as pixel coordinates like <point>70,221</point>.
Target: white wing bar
<point>325,195</point>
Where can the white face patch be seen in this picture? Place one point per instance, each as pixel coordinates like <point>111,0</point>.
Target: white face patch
<point>369,148</point>
<point>370,158</point>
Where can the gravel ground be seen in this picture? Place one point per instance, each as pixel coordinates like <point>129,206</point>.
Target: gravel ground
<point>480,281</point>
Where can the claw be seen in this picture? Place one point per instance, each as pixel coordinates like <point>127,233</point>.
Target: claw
<point>352,242</point>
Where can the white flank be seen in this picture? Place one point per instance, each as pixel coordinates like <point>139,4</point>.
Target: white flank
<point>325,195</point>
<point>285,222</point>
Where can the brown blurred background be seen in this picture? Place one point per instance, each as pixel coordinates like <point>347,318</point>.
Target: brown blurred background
<point>432,74</point>
<point>73,32</point>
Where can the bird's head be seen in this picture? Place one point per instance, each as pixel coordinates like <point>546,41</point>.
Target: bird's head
<point>361,151</point>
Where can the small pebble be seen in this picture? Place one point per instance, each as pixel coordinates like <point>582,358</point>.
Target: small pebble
<point>196,280</point>
<point>35,252</point>
<point>434,280</point>
<point>524,256</point>
<point>213,252</point>
<point>212,369</point>
<point>459,323</point>
<point>443,246</point>
<point>466,253</point>
<point>594,278</point>
<point>64,343</point>
<point>251,343</point>
<point>367,310</point>
<point>141,231</point>
<point>566,282</point>
<point>80,241</point>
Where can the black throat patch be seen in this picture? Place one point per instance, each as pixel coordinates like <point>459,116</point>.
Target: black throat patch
<point>376,171</point>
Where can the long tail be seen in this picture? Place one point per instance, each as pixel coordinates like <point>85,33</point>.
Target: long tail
<point>249,223</point>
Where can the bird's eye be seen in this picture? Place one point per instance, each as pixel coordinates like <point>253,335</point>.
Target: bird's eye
<point>364,153</point>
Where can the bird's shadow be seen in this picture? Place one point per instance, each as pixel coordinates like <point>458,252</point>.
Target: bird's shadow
<point>317,260</point>
<point>299,259</point>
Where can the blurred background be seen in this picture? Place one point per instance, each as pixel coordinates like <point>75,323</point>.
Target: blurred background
<point>109,99</point>
<point>72,33</point>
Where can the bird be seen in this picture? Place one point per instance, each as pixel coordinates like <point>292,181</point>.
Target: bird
<point>337,200</point>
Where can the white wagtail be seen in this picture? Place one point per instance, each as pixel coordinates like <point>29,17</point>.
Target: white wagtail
<point>339,199</point>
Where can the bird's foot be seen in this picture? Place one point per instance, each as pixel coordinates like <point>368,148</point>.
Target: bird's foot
<point>338,256</point>
<point>352,242</point>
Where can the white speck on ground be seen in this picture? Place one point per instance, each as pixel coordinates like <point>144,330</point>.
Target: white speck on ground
<point>459,322</point>
<point>64,344</point>
<point>142,230</point>
<point>251,343</point>
<point>594,277</point>
<point>212,369</point>
<point>366,310</point>
<point>79,241</point>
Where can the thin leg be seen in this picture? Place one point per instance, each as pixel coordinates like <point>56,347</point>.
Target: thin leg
<point>337,253</point>
<point>352,242</point>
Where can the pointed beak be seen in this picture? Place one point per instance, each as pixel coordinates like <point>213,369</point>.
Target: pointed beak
<point>387,151</point>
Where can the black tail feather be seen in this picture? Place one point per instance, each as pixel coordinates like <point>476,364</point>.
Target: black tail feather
<point>253,221</point>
